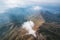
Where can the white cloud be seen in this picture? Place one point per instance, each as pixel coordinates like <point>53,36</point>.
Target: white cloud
<point>37,8</point>
<point>29,27</point>
<point>6,4</point>
<point>23,3</point>
<point>14,3</point>
<point>17,3</point>
<point>20,3</point>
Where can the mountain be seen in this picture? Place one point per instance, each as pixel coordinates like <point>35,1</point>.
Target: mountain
<point>16,17</point>
<point>51,17</point>
<point>46,24</point>
<point>51,27</point>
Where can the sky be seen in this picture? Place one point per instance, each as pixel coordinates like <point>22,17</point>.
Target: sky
<point>6,4</point>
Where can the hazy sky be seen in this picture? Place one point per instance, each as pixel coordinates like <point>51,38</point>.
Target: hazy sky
<point>5,4</point>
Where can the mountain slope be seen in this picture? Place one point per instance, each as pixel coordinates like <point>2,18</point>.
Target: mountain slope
<point>17,17</point>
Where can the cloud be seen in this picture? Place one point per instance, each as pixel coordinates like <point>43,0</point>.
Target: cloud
<point>6,4</point>
<point>29,27</point>
<point>16,3</point>
<point>37,8</point>
<point>22,3</point>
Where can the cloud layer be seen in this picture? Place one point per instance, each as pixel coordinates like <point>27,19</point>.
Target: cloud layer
<point>5,4</point>
<point>29,27</point>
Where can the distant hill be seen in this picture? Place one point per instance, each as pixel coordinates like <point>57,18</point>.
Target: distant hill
<point>51,17</point>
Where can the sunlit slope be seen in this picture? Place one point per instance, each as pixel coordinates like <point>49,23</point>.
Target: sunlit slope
<point>37,18</point>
